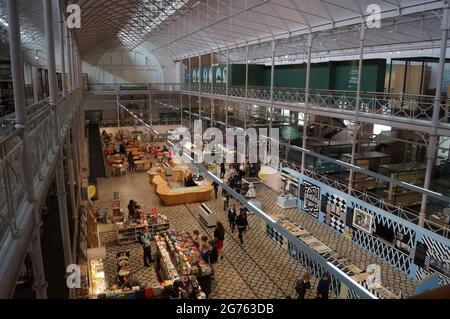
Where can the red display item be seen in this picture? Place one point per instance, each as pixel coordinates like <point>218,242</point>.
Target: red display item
<point>148,293</point>
<point>219,244</point>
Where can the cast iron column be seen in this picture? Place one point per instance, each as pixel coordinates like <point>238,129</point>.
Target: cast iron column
<point>358,102</point>
<point>306,115</point>
<point>60,182</point>
<point>15,49</point>
<point>432,141</point>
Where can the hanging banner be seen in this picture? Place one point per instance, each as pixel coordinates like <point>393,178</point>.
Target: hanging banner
<point>224,74</point>
<point>219,76</point>
<point>205,73</point>
<point>210,74</point>
<point>195,75</point>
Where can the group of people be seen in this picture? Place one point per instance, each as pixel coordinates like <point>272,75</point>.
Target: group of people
<point>303,285</point>
<point>239,221</point>
<point>210,250</point>
<point>134,210</point>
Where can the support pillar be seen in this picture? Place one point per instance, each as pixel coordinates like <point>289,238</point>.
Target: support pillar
<point>181,92</point>
<point>35,81</point>
<point>307,90</point>
<point>226,90</point>
<point>357,106</point>
<point>117,105</point>
<point>211,112</point>
<point>433,139</point>
<point>190,96</point>
<point>60,182</point>
<point>15,48</point>
<point>246,88</point>
<point>272,77</point>
<point>200,78</point>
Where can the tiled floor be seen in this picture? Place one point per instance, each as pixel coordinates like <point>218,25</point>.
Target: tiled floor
<point>258,269</point>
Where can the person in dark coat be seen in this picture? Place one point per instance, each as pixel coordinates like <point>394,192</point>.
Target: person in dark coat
<point>215,185</point>
<point>226,198</point>
<point>232,217</point>
<point>222,170</point>
<point>244,211</point>
<point>242,224</point>
<point>302,286</point>
<point>323,287</point>
<point>122,148</point>
<point>219,237</point>
<point>131,165</point>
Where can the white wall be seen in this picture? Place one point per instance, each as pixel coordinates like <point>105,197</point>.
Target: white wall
<point>123,66</point>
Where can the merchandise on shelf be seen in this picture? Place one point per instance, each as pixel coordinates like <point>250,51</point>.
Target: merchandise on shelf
<point>180,260</point>
<point>98,283</point>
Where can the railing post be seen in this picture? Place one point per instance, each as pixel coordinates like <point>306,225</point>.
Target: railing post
<point>61,192</point>
<point>432,141</point>
<point>357,102</point>
<point>306,115</point>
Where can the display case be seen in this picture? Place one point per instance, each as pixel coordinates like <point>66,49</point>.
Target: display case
<point>369,161</point>
<point>118,215</point>
<point>411,173</point>
<point>98,283</point>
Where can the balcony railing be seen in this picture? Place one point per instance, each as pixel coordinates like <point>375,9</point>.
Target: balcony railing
<point>387,105</point>
<point>44,136</point>
<point>391,105</point>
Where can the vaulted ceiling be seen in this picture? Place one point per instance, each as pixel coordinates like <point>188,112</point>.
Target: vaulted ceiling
<point>183,28</point>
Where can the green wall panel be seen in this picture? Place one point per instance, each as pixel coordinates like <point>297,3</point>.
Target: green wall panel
<point>344,75</point>
<point>320,76</point>
<point>256,75</point>
<point>295,76</point>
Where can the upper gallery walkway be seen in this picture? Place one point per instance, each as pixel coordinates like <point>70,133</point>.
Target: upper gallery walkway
<point>404,111</point>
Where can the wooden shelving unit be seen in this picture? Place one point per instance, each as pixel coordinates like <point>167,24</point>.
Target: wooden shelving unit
<point>128,233</point>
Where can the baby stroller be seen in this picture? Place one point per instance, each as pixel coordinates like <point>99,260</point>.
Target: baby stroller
<point>123,266</point>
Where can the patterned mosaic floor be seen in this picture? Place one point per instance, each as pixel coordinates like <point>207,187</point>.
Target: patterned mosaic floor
<point>258,269</point>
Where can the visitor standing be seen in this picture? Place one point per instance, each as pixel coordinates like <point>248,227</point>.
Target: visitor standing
<point>242,225</point>
<point>226,198</point>
<point>205,248</point>
<point>145,240</point>
<point>219,237</point>
<point>222,170</point>
<point>323,287</point>
<point>232,217</point>
<point>244,211</point>
<point>130,162</point>
<point>302,286</point>
<point>216,187</point>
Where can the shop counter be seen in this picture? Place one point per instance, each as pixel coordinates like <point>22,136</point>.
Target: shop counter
<point>181,195</point>
<point>155,171</point>
<point>179,173</point>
